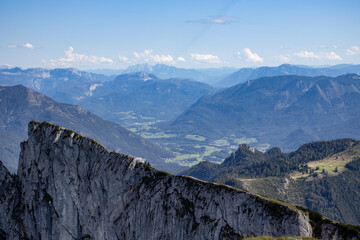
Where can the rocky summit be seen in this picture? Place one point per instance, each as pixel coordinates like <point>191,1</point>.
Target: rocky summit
<point>71,187</point>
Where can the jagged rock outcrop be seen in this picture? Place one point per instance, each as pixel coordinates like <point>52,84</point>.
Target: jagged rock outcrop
<point>71,187</point>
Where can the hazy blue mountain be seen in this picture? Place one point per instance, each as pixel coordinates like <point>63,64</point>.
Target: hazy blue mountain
<point>106,71</point>
<point>246,74</point>
<point>165,71</point>
<point>19,105</point>
<point>284,111</point>
<point>62,84</point>
<point>144,95</point>
<point>125,100</point>
<point>207,75</point>
<point>346,67</point>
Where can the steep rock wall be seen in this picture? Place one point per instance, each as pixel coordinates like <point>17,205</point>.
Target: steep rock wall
<point>75,188</point>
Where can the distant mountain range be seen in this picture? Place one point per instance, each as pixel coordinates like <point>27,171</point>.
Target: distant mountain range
<point>62,84</point>
<point>137,96</point>
<point>245,74</point>
<point>136,100</point>
<point>125,99</point>
<point>322,176</point>
<point>206,75</point>
<point>283,111</point>
<point>19,105</point>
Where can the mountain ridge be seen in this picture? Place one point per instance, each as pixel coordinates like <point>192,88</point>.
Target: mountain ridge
<point>207,75</point>
<point>20,105</point>
<point>261,108</point>
<point>245,74</point>
<point>75,188</point>
<point>145,96</point>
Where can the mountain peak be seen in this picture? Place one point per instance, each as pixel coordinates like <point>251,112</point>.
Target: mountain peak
<point>145,76</point>
<point>142,76</point>
<point>244,147</point>
<point>45,126</point>
<point>245,153</point>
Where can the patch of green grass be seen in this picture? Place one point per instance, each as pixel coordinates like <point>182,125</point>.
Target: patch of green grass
<point>144,128</point>
<point>146,118</point>
<point>195,137</point>
<point>157,135</point>
<point>245,140</point>
<point>125,113</point>
<point>209,150</point>
<point>184,159</point>
<point>221,142</point>
<point>332,165</point>
<point>186,156</point>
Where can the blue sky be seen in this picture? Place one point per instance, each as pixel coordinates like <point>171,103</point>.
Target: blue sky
<point>191,34</point>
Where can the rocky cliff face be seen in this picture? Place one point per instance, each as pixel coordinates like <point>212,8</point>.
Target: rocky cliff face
<point>9,196</point>
<point>71,187</point>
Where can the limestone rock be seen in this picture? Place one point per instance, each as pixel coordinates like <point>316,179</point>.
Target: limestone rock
<point>71,187</point>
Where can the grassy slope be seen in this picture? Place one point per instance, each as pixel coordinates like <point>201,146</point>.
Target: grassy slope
<point>333,194</point>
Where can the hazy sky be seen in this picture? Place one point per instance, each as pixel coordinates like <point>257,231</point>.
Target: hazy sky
<point>192,34</point>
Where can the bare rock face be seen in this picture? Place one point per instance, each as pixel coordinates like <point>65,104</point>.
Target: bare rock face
<point>9,196</point>
<point>71,187</point>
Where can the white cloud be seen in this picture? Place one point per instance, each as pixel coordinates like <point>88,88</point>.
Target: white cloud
<point>250,56</point>
<point>77,58</point>
<point>354,50</point>
<point>123,59</point>
<point>163,58</point>
<point>205,58</point>
<point>147,56</point>
<point>306,54</point>
<point>29,46</point>
<point>283,58</point>
<point>144,55</point>
<point>331,56</point>
<point>25,45</point>
<point>181,59</point>
<point>319,56</point>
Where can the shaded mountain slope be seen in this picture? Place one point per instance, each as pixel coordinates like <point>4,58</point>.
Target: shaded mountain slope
<point>19,105</point>
<point>274,108</point>
<point>246,74</point>
<point>145,95</point>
